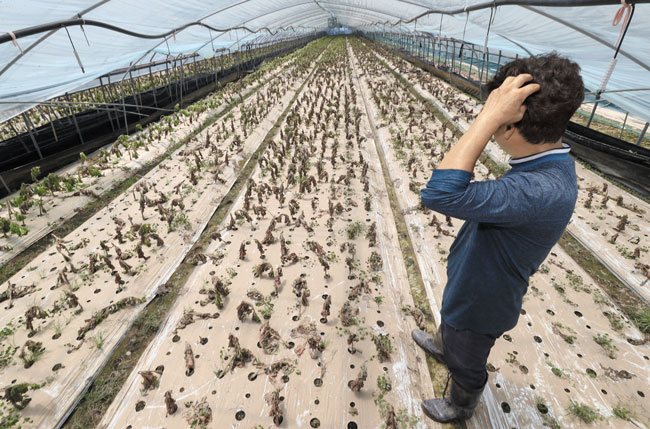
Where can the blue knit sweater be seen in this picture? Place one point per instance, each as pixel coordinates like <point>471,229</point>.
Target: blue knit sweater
<point>511,225</point>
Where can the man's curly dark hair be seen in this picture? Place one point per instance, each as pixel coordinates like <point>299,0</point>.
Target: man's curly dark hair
<point>548,110</point>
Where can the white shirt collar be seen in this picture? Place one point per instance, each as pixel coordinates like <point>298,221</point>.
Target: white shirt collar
<point>564,149</point>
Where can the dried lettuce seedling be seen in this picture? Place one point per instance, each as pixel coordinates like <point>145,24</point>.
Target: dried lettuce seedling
<point>357,384</point>
<point>189,360</point>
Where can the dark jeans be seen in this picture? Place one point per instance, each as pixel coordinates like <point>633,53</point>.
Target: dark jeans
<point>466,354</point>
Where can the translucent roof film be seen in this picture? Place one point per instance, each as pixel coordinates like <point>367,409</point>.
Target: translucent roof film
<point>44,65</point>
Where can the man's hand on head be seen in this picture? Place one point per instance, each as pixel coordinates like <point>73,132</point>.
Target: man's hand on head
<point>505,105</point>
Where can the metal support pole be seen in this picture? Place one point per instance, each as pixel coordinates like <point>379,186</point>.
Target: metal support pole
<point>173,75</point>
<point>153,88</point>
<point>52,113</point>
<point>471,61</point>
<point>593,111</point>
<point>216,75</point>
<point>181,76</point>
<point>44,114</point>
<point>5,184</point>
<point>18,135</point>
<point>106,100</point>
<point>74,119</point>
<point>28,124</point>
<point>116,95</point>
<point>645,128</point>
<point>624,122</point>
<point>136,93</point>
<point>196,73</point>
<point>486,58</point>
<point>126,122</point>
<point>447,54</point>
<point>169,80</point>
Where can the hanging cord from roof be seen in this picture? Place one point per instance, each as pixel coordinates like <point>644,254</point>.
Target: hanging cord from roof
<point>76,54</point>
<point>465,27</point>
<point>487,34</point>
<point>13,39</point>
<point>627,11</point>
<point>82,30</point>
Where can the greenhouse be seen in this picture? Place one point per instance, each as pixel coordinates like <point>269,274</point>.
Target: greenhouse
<point>324,213</point>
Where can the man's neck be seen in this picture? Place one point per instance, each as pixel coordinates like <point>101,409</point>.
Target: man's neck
<point>528,149</point>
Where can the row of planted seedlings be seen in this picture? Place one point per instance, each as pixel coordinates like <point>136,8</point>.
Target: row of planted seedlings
<point>62,305</point>
<point>574,356</point>
<point>609,221</point>
<point>297,320</point>
<point>40,206</point>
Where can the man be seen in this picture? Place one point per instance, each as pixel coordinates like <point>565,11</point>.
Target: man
<point>511,223</point>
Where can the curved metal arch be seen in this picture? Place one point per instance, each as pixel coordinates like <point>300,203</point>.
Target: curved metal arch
<point>362,16</point>
<point>315,11</point>
<point>590,35</point>
<point>45,36</point>
<point>94,23</point>
<point>307,16</point>
<point>550,3</point>
<point>523,3</point>
<point>166,38</point>
<point>102,2</point>
<point>363,8</point>
<point>269,13</point>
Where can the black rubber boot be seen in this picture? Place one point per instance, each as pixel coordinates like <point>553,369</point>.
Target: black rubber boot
<point>459,405</point>
<point>431,345</point>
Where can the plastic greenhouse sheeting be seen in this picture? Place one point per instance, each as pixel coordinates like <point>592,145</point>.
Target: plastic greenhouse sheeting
<point>50,68</point>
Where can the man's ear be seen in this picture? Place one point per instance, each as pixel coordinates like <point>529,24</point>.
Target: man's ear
<point>509,131</point>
